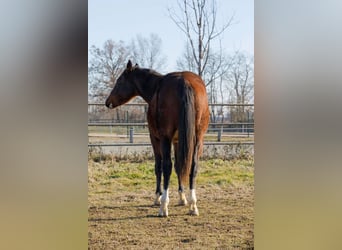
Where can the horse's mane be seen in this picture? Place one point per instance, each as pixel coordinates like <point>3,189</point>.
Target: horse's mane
<point>150,71</point>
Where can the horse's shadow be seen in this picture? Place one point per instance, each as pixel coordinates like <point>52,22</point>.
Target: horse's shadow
<point>122,206</point>
<point>142,207</point>
<point>123,218</point>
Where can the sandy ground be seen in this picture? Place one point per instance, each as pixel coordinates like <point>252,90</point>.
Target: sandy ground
<point>122,217</point>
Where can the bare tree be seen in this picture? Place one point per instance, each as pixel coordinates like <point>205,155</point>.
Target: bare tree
<point>147,52</point>
<point>197,19</point>
<point>106,63</point>
<point>217,67</point>
<point>104,67</point>
<point>186,61</point>
<point>240,79</point>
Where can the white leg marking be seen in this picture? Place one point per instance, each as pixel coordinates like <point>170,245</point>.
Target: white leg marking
<point>182,199</point>
<point>193,200</point>
<point>163,211</point>
<point>157,199</point>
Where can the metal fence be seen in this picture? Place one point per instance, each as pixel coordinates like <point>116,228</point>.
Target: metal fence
<point>229,124</point>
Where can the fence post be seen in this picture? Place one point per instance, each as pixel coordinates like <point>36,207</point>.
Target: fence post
<point>219,133</point>
<point>248,125</point>
<point>131,134</point>
<point>126,114</point>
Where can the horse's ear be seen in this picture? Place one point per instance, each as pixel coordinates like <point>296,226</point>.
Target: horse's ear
<point>129,65</point>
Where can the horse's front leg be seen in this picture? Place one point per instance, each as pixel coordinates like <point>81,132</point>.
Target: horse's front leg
<point>158,171</point>
<point>167,169</point>
<point>157,167</point>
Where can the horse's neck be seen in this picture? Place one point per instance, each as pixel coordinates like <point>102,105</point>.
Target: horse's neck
<point>148,85</point>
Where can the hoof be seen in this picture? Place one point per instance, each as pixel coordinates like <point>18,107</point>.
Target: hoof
<point>157,200</point>
<point>163,214</point>
<point>163,211</point>
<point>164,202</point>
<point>194,212</point>
<point>182,202</point>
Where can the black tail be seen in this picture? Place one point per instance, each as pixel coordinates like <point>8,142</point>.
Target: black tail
<point>186,132</point>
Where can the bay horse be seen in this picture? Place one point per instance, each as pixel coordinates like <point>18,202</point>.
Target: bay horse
<point>178,114</point>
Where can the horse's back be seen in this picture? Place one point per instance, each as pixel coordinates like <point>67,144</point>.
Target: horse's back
<point>187,77</point>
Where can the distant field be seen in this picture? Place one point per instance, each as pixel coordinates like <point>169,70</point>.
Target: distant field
<point>114,138</point>
<point>120,135</point>
<point>121,215</point>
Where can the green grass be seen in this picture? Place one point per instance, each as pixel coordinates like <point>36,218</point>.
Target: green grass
<point>222,172</point>
<point>134,175</point>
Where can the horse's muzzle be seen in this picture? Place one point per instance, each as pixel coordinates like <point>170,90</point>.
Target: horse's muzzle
<point>109,104</point>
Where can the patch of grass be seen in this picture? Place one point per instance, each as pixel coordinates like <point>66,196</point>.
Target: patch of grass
<point>115,175</point>
<point>133,174</point>
<point>102,192</point>
<point>245,176</point>
<point>97,155</point>
<point>218,171</point>
<point>146,168</point>
<point>123,174</point>
<point>104,183</point>
<point>225,181</point>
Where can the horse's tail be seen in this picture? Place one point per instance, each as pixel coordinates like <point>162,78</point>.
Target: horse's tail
<point>186,132</point>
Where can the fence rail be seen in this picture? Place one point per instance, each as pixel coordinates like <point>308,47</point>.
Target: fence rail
<point>105,124</point>
<point>149,144</point>
<point>210,104</point>
<point>223,123</point>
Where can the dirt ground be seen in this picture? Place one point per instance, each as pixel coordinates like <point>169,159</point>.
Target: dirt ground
<point>121,214</point>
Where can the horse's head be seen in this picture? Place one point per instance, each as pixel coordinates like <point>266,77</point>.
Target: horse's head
<point>124,88</point>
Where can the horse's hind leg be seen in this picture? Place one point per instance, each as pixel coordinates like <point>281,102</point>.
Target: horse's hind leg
<point>182,199</point>
<point>192,182</point>
<point>167,169</point>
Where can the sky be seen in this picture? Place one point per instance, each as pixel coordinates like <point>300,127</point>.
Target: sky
<point>124,20</point>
